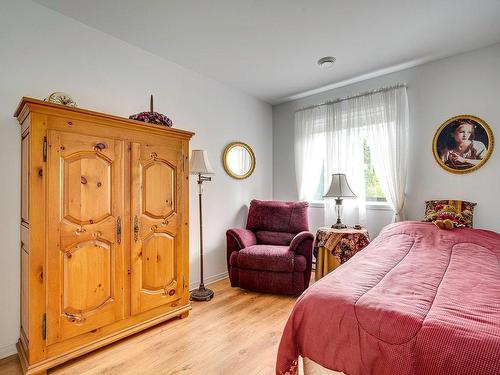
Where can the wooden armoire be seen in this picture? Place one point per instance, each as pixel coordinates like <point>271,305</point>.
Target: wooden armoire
<point>104,230</point>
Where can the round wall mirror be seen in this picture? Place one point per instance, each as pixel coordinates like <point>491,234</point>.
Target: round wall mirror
<point>239,160</point>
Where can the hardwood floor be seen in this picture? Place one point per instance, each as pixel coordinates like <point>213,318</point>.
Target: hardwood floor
<point>238,332</point>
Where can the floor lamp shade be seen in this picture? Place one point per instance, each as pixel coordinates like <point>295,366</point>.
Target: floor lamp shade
<point>339,189</point>
<point>199,163</point>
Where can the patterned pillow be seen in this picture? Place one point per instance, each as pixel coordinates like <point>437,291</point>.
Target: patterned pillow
<point>449,214</point>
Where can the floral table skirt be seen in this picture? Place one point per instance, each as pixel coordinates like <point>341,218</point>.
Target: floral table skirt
<point>333,247</point>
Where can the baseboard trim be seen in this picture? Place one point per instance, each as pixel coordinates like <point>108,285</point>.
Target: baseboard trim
<point>208,280</point>
<point>7,351</point>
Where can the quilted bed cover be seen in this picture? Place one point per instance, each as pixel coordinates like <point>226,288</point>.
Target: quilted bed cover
<point>417,300</point>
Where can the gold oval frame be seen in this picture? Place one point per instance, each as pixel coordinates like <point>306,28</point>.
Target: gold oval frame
<point>487,129</point>
<point>228,148</point>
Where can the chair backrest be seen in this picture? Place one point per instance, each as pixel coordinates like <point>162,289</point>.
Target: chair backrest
<point>277,222</point>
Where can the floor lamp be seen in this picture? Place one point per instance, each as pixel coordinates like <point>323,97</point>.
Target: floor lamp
<point>200,165</point>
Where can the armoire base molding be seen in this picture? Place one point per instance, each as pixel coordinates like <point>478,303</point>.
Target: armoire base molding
<point>42,366</point>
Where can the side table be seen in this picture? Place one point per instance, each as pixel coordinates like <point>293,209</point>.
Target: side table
<point>332,247</point>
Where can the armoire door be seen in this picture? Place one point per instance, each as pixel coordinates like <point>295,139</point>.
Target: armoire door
<point>156,255</point>
<point>85,261</point>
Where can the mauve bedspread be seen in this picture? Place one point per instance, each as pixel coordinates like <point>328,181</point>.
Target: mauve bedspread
<point>417,300</point>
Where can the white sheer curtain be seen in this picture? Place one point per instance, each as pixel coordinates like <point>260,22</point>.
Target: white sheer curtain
<point>388,129</point>
<point>344,154</point>
<point>334,134</point>
<point>309,150</point>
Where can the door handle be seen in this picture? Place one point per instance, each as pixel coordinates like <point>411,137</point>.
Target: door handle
<point>119,229</point>
<point>136,228</point>
<point>99,146</point>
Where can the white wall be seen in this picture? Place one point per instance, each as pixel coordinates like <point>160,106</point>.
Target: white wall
<point>465,84</point>
<point>43,51</point>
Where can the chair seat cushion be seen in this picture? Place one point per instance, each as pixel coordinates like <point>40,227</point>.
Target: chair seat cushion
<point>266,258</point>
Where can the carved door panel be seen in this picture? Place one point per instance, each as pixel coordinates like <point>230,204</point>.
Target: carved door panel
<point>85,264</point>
<point>156,258</point>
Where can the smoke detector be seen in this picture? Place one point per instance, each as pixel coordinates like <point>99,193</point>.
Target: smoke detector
<point>326,62</point>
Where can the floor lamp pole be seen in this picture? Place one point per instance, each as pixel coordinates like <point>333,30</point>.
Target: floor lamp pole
<point>200,194</point>
<point>202,293</point>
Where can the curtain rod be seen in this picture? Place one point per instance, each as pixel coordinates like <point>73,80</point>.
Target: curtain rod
<point>354,96</point>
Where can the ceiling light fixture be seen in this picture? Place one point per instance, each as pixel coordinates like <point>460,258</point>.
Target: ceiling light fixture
<point>326,62</point>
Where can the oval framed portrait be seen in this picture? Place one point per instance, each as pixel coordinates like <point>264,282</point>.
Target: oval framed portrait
<point>463,144</point>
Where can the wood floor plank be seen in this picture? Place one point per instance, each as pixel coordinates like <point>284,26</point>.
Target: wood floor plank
<point>238,332</point>
<point>10,366</point>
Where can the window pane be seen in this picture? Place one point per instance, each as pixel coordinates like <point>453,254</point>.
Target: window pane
<point>372,187</point>
<point>318,194</point>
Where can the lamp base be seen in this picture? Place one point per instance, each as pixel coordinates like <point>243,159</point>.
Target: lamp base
<point>202,294</point>
<point>338,209</point>
<point>339,226</point>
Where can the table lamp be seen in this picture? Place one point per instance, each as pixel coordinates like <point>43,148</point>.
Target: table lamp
<point>339,189</point>
<point>200,165</point>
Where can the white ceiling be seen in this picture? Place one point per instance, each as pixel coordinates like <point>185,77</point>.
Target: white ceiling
<point>269,48</point>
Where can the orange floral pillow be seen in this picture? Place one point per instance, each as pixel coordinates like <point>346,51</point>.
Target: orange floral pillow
<point>449,214</point>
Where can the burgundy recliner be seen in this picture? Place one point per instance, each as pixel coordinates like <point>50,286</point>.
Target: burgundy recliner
<point>274,253</point>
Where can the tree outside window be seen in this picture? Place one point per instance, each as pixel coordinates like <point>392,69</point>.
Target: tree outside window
<point>373,190</point>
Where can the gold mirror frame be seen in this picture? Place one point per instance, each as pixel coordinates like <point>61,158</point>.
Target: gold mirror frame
<point>228,148</point>
<point>489,150</point>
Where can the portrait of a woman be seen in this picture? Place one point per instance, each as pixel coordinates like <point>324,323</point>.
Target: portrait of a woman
<point>463,143</point>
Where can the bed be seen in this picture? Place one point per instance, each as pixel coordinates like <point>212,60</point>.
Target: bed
<point>417,300</point>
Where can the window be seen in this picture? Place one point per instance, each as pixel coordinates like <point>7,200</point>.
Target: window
<point>353,135</point>
<point>320,188</point>
<point>373,191</point>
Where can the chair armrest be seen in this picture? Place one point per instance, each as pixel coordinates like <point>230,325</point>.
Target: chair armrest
<point>243,237</point>
<point>302,244</point>
<point>237,239</point>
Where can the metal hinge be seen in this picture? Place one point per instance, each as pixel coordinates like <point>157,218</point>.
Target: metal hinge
<point>119,230</point>
<point>44,148</point>
<point>44,326</point>
<point>136,228</point>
